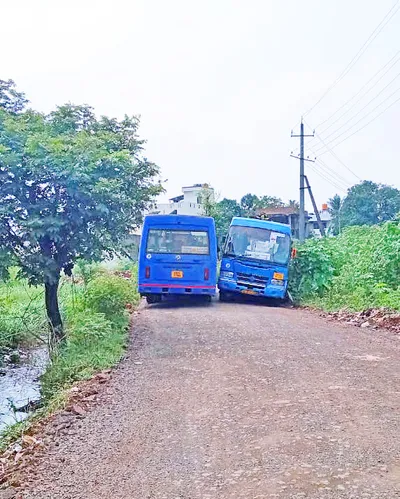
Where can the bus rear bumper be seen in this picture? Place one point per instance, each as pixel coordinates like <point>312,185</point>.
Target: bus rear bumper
<point>168,289</point>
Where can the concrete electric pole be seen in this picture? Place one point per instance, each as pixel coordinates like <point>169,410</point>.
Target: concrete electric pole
<point>302,218</point>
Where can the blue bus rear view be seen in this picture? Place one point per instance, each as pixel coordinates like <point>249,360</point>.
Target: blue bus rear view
<point>177,256</point>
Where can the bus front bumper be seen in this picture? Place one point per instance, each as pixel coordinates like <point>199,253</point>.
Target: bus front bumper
<point>270,291</point>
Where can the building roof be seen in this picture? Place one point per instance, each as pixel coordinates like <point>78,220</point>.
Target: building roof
<point>176,199</point>
<point>198,186</point>
<point>283,210</point>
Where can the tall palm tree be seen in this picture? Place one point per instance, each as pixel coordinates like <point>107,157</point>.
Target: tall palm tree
<point>335,205</point>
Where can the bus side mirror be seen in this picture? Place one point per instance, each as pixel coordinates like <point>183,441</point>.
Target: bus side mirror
<point>294,253</point>
<point>223,240</point>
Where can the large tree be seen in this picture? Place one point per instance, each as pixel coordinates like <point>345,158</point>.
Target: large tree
<point>224,212</point>
<point>368,203</point>
<point>71,186</point>
<point>269,202</point>
<point>248,203</point>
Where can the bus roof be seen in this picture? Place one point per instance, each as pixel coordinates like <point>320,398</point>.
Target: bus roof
<point>261,224</point>
<point>178,219</point>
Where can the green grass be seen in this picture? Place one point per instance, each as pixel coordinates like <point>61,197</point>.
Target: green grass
<point>96,323</point>
<point>22,314</point>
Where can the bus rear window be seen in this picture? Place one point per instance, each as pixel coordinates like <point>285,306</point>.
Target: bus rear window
<point>178,242</point>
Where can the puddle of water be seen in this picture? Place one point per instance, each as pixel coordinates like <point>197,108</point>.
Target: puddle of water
<point>20,385</point>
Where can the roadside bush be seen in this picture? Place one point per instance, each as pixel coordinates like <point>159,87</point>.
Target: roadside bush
<point>357,270</point>
<point>312,270</point>
<point>109,295</point>
<point>87,271</point>
<point>97,332</point>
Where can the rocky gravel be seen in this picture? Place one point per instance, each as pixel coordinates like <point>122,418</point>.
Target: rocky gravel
<point>236,401</point>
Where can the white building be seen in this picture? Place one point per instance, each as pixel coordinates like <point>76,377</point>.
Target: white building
<point>326,219</point>
<point>188,203</point>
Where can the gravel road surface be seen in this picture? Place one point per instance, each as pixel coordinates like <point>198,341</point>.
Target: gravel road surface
<point>237,401</point>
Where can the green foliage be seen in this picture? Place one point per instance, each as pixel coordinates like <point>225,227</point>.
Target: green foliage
<point>312,270</point>
<point>269,202</point>
<point>109,294</point>
<point>71,186</point>
<point>335,205</point>
<point>93,344</point>
<point>11,100</point>
<point>368,203</point>
<point>248,202</point>
<point>87,271</point>
<point>225,211</point>
<point>97,332</point>
<point>359,269</point>
<point>22,314</point>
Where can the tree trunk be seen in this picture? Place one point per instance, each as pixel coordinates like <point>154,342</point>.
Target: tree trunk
<point>53,312</point>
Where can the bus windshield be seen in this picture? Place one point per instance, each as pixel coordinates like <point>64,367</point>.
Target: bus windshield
<point>258,244</point>
<point>178,242</point>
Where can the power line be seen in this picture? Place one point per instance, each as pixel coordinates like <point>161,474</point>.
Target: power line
<point>361,119</point>
<point>337,158</point>
<point>330,171</point>
<point>387,18</point>
<point>364,126</point>
<point>355,95</point>
<point>366,105</point>
<point>317,172</point>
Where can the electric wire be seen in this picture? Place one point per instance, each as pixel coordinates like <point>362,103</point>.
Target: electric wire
<point>366,124</point>
<point>363,108</point>
<point>359,91</point>
<point>359,121</point>
<point>386,19</point>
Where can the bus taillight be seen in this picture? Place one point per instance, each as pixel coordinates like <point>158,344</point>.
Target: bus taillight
<point>147,272</point>
<point>206,274</point>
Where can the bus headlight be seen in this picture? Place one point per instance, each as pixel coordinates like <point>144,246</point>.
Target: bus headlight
<point>277,282</point>
<point>226,275</point>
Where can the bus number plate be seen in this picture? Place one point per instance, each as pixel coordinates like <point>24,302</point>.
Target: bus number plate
<point>249,292</point>
<point>177,274</point>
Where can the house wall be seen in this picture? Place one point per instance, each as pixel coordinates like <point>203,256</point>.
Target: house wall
<point>188,206</point>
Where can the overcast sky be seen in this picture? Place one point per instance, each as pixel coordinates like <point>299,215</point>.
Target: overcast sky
<point>219,84</point>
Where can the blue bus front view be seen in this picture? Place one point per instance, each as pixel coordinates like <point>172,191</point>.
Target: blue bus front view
<point>255,259</point>
<point>178,256</point>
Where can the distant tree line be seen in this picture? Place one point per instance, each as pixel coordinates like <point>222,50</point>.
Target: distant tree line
<point>366,203</point>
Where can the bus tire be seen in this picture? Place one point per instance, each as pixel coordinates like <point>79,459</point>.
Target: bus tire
<point>153,299</point>
<point>223,296</point>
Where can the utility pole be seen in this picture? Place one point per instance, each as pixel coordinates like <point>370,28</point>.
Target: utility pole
<point>302,218</point>
<point>320,224</point>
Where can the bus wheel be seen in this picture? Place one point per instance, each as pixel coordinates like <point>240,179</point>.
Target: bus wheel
<point>223,296</point>
<point>153,299</point>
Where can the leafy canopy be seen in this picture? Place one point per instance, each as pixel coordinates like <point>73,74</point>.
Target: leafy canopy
<point>368,203</point>
<point>71,186</point>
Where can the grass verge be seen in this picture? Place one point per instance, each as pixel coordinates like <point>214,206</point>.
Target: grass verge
<point>96,314</point>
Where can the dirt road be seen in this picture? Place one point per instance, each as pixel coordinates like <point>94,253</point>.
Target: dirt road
<point>238,401</point>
